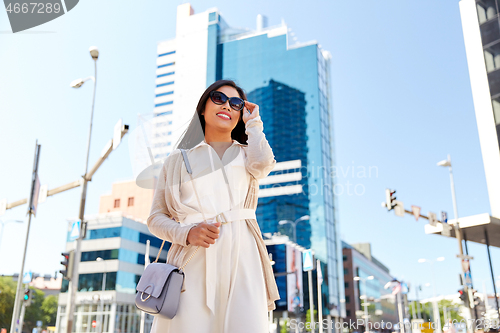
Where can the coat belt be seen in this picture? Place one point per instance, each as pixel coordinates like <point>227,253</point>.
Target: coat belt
<point>211,252</point>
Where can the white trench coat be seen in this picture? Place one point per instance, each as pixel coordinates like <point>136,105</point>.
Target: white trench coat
<point>225,286</point>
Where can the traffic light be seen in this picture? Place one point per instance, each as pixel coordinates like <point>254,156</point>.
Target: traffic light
<point>464,297</point>
<point>476,299</point>
<point>390,199</point>
<point>27,297</point>
<point>68,264</point>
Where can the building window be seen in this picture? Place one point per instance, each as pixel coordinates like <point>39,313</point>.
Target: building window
<point>130,201</point>
<point>104,254</point>
<point>344,258</point>
<point>346,271</point>
<point>117,203</point>
<point>348,313</point>
<point>347,299</point>
<point>346,285</point>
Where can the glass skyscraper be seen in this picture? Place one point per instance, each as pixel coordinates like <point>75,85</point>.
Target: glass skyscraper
<point>481,28</point>
<point>290,83</point>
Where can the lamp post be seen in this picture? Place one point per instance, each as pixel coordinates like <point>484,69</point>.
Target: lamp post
<point>458,233</point>
<point>73,284</point>
<point>365,297</point>
<point>3,227</point>
<point>396,285</point>
<point>101,320</point>
<point>294,225</point>
<point>437,317</point>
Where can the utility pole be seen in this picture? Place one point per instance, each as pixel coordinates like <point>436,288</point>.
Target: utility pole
<point>35,183</point>
<point>458,232</point>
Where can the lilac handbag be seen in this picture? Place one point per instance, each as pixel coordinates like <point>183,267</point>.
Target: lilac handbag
<point>159,289</point>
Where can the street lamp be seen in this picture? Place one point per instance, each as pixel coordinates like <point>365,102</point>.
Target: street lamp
<point>458,233</point>
<point>73,285</point>
<point>294,225</point>
<point>394,283</point>
<point>437,317</point>
<point>101,321</point>
<point>365,297</point>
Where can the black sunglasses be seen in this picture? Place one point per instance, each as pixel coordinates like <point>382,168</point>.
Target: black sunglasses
<point>220,98</point>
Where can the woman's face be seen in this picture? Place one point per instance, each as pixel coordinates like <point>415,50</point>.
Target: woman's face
<point>212,112</point>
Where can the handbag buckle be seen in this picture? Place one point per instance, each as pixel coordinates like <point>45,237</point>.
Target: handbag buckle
<point>221,218</point>
<point>142,299</point>
<point>142,294</point>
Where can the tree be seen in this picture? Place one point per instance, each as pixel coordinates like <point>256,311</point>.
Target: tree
<point>7,297</point>
<point>309,325</point>
<point>41,308</point>
<point>49,307</point>
<point>426,310</point>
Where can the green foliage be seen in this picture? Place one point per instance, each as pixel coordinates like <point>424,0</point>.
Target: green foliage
<point>49,308</point>
<point>7,297</point>
<point>426,310</point>
<point>41,308</point>
<point>284,327</point>
<point>308,323</point>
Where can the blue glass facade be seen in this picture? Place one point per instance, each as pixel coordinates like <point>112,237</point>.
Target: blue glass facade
<point>291,87</point>
<point>121,281</point>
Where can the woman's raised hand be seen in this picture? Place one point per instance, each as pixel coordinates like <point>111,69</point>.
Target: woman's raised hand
<point>203,234</point>
<point>250,111</point>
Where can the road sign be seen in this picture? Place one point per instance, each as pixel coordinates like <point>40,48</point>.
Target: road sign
<point>416,211</point>
<point>38,323</point>
<point>44,189</point>
<point>117,134</point>
<point>432,219</point>
<point>307,260</point>
<point>75,231</point>
<point>465,265</point>
<point>94,324</point>
<point>444,217</point>
<point>27,277</point>
<point>446,230</point>
<point>399,209</point>
<point>36,193</point>
<point>468,279</point>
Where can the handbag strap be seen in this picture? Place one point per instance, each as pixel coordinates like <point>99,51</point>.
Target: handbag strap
<point>190,171</point>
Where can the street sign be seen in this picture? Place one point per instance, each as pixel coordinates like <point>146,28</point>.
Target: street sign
<point>117,134</point>
<point>27,277</point>
<point>44,189</point>
<point>432,219</point>
<point>468,279</point>
<point>94,324</point>
<point>444,217</point>
<point>446,230</point>
<point>399,209</point>
<point>465,265</point>
<point>36,192</point>
<point>307,260</point>
<point>38,323</point>
<point>416,211</point>
<point>75,231</point>
<point>404,288</point>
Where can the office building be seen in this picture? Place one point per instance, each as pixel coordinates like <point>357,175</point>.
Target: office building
<point>481,29</point>
<point>118,238</point>
<point>291,84</point>
<point>373,276</point>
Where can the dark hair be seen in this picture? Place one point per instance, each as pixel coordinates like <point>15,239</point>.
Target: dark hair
<point>195,132</point>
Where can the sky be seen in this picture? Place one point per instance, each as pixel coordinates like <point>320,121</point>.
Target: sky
<point>401,102</point>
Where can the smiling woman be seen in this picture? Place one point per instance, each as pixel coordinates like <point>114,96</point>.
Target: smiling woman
<point>229,284</point>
